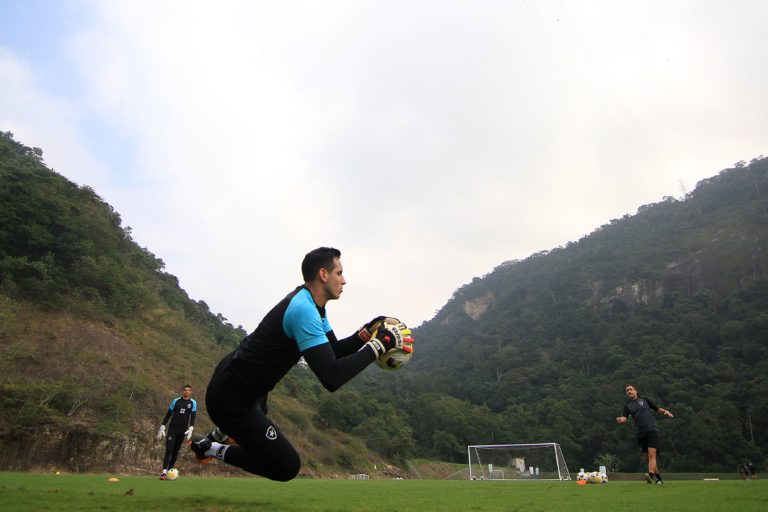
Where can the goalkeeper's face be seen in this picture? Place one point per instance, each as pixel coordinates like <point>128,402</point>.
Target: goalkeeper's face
<point>334,281</point>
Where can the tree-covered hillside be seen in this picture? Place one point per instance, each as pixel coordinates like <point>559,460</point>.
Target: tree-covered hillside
<point>94,335</point>
<point>96,338</point>
<point>63,247</point>
<point>673,299</point>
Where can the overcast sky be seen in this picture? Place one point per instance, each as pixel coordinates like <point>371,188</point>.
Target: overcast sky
<point>429,141</point>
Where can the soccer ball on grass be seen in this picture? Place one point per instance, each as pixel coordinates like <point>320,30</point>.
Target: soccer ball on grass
<point>595,477</point>
<point>173,474</point>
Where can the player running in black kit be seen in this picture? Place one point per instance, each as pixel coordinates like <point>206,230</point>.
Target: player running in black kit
<point>182,413</point>
<point>641,409</point>
<point>297,326</point>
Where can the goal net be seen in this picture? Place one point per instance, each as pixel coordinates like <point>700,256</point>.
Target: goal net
<point>536,461</point>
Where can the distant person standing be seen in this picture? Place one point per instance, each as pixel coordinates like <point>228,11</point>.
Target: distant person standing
<point>641,409</point>
<point>181,413</point>
<point>743,471</point>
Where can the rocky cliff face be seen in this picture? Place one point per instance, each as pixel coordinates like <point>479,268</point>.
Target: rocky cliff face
<point>81,450</point>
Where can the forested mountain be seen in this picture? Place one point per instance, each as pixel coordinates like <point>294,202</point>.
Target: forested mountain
<point>95,337</point>
<point>673,299</point>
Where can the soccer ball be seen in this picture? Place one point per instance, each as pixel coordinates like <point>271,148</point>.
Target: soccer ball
<point>595,477</point>
<point>173,474</point>
<point>393,359</point>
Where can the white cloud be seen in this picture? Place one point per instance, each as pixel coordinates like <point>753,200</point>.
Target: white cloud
<point>429,141</point>
<point>39,119</point>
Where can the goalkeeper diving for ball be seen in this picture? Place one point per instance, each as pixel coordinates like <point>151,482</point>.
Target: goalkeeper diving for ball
<point>296,327</point>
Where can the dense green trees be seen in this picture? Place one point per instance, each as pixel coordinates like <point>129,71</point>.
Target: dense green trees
<point>63,248</point>
<point>90,324</point>
<point>673,299</point>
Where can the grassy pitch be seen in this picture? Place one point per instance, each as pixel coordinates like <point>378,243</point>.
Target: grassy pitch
<point>70,492</point>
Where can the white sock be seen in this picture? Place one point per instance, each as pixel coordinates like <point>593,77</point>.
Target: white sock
<point>165,471</point>
<point>217,450</point>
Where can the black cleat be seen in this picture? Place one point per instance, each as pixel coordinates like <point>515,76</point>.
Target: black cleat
<point>218,436</point>
<point>648,478</point>
<point>199,447</point>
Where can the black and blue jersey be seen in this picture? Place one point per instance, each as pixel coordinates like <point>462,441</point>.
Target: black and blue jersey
<point>295,327</point>
<point>236,396</point>
<point>182,413</point>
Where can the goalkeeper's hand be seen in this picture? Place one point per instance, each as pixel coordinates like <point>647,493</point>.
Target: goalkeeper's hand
<point>160,433</point>
<point>366,332</point>
<point>390,337</point>
<point>188,433</point>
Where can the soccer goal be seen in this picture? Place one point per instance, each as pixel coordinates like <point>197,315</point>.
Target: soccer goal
<point>535,461</point>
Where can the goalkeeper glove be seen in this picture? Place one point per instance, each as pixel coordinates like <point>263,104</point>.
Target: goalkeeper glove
<point>160,433</point>
<point>391,337</point>
<point>366,331</point>
<point>188,433</point>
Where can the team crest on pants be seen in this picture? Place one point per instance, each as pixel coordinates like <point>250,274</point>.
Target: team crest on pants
<point>271,433</point>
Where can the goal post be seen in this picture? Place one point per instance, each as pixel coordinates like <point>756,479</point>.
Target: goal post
<point>528,461</point>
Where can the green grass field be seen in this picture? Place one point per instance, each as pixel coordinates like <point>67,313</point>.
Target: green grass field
<point>73,492</point>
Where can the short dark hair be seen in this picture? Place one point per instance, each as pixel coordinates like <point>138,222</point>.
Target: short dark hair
<point>187,386</point>
<point>322,257</point>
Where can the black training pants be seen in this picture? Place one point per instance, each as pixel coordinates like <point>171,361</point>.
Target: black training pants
<point>261,448</point>
<point>172,447</point>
